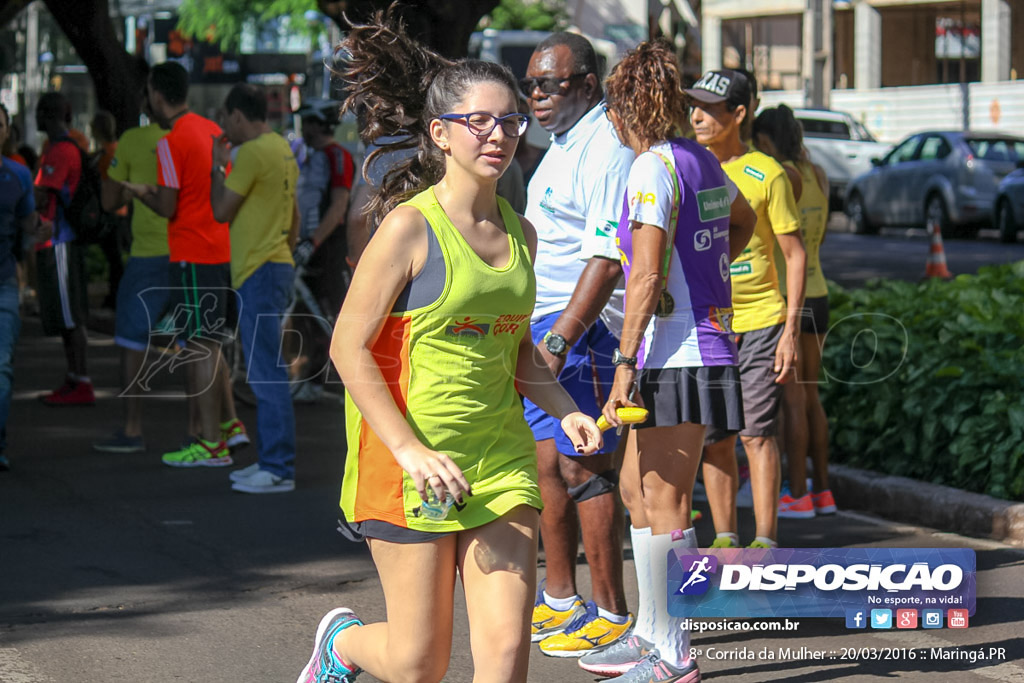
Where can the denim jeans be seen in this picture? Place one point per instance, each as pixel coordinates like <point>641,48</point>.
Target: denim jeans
<point>10,326</point>
<point>263,298</point>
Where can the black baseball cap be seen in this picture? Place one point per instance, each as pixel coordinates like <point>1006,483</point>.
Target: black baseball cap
<point>722,85</point>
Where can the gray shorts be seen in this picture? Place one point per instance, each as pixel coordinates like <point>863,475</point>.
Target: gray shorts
<point>704,395</point>
<point>762,397</point>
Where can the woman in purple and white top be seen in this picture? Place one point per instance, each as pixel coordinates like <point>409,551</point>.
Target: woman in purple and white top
<point>682,224</point>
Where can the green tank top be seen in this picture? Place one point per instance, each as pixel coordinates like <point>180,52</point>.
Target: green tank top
<point>450,367</point>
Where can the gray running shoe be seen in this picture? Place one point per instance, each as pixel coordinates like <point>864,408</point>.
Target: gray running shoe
<point>119,443</point>
<point>618,658</point>
<point>653,669</point>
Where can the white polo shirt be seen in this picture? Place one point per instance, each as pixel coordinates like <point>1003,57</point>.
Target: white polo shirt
<point>574,200</point>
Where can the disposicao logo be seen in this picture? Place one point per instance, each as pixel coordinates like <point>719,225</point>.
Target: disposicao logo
<point>820,582</point>
<point>696,581</point>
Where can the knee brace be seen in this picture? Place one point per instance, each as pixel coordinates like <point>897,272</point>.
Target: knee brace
<point>597,485</point>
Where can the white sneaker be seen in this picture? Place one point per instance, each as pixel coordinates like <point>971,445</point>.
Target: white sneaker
<point>264,482</point>
<point>245,472</point>
<point>309,392</point>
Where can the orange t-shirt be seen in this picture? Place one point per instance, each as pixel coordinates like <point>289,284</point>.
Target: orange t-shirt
<point>184,159</point>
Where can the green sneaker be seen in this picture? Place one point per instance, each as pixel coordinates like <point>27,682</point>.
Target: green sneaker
<point>234,435</point>
<point>199,454</point>
<point>761,544</point>
<point>725,542</point>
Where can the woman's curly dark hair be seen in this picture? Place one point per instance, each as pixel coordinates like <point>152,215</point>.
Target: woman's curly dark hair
<point>646,93</point>
<point>387,73</point>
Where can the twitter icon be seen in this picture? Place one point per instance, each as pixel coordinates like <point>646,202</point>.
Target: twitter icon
<point>881,618</point>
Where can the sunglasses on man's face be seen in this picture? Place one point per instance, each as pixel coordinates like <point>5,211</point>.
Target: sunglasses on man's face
<point>549,85</point>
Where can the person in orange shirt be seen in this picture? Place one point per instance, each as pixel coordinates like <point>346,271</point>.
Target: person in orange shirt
<point>200,255</point>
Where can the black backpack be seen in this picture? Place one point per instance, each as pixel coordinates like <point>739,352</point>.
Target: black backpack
<point>85,212</point>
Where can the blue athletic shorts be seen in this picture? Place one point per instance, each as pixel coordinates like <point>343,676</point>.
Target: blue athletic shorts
<point>142,298</point>
<point>587,376</point>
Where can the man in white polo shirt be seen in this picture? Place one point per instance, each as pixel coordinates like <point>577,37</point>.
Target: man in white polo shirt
<point>574,200</point>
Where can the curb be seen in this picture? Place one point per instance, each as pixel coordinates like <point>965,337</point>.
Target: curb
<point>932,505</point>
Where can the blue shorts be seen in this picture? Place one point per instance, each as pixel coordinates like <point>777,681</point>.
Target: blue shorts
<point>587,376</point>
<point>142,298</point>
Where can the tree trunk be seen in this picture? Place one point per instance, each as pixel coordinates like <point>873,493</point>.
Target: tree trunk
<point>444,25</point>
<point>115,75</point>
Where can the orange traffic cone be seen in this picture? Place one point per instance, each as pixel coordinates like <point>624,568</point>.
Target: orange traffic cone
<point>936,264</point>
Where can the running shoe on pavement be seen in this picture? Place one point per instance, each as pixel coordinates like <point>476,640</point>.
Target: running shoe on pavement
<point>586,633</point>
<point>723,542</point>
<point>324,666</point>
<point>618,658</point>
<point>199,454</point>
<point>244,473</point>
<point>234,435</point>
<point>70,393</point>
<point>761,545</point>
<point>547,620</point>
<point>653,669</point>
<point>795,508</point>
<point>120,443</point>
<point>264,482</point>
<point>824,503</point>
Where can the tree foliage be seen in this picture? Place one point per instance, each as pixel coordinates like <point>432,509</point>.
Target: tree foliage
<point>222,21</point>
<point>527,15</point>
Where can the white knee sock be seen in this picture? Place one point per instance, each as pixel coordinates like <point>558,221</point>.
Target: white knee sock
<point>672,642</point>
<point>641,539</point>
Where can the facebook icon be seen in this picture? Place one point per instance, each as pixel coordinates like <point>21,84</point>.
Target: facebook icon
<point>856,618</point>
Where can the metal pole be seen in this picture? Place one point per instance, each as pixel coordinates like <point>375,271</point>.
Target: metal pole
<point>32,75</point>
<point>965,95</point>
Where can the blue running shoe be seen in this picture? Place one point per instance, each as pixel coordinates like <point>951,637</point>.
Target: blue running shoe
<point>324,666</point>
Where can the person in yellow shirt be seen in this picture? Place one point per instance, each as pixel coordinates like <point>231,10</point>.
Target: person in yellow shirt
<point>767,326</point>
<point>778,133</point>
<point>258,199</point>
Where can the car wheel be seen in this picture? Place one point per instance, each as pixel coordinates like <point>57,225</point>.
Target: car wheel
<point>935,212</point>
<point>1005,222</point>
<point>858,215</point>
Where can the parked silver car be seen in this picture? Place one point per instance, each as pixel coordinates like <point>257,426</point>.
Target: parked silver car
<point>841,145</point>
<point>1009,211</point>
<point>946,176</point>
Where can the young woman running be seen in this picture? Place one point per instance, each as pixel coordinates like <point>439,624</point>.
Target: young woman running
<point>432,343</point>
<point>682,224</point>
<point>777,133</point>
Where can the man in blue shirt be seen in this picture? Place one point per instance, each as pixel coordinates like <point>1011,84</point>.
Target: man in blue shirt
<point>17,217</point>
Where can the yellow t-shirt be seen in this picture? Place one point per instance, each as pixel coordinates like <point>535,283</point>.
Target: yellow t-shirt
<point>264,172</point>
<point>813,206</point>
<point>135,162</point>
<point>756,300</point>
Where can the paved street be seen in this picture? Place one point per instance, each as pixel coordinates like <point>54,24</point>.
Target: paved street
<point>117,568</point>
<point>900,253</point>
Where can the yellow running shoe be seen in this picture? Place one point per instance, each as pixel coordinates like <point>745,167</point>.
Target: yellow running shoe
<point>548,621</point>
<point>586,633</point>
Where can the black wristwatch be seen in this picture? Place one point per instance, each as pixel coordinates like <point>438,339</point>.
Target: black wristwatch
<point>555,344</point>
<point>619,359</point>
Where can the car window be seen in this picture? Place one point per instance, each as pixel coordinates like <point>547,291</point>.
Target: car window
<point>862,132</point>
<point>934,148</point>
<point>996,149</point>
<point>820,128</point>
<point>903,152</point>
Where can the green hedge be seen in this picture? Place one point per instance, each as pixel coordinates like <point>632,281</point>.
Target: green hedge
<point>927,380</point>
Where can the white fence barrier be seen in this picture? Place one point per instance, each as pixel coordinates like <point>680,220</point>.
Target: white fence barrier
<point>893,113</point>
